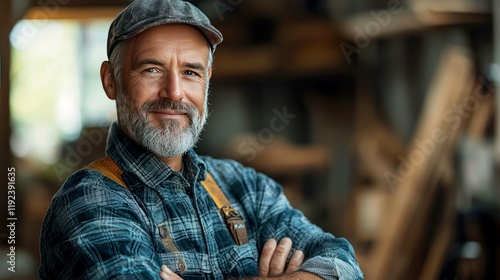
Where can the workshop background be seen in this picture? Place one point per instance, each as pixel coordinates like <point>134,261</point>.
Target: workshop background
<point>377,117</point>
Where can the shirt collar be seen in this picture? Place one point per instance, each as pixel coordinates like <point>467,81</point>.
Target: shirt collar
<point>145,166</point>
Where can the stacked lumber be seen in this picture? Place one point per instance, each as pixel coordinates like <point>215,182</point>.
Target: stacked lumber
<point>417,194</point>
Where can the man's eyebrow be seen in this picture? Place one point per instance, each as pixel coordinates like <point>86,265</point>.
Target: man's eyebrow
<point>150,61</point>
<point>195,65</point>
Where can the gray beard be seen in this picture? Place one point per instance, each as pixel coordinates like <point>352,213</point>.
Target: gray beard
<point>169,140</point>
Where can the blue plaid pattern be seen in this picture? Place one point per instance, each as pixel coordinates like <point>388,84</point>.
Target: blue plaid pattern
<point>96,229</point>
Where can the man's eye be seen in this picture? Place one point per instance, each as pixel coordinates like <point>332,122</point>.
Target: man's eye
<point>151,70</point>
<point>190,73</point>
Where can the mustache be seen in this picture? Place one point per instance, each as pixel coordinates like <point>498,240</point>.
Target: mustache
<point>165,104</point>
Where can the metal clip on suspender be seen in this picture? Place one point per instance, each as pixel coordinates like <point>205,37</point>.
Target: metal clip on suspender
<point>235,223</point>
<point>233,219</point>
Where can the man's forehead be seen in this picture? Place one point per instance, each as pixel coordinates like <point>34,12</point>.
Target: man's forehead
<point>158,44</point>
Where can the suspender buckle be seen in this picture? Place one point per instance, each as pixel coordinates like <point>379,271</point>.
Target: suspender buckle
<point>235,223</point>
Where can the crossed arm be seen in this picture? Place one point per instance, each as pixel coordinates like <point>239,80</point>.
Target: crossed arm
<point>272,263</point>
<point>92,231</point>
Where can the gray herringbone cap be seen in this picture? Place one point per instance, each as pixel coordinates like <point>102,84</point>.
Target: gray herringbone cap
<point>141,15</point>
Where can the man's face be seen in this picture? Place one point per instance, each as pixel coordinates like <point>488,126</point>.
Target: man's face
<point>162,100</point>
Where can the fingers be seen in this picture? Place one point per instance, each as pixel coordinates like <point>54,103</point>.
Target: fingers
<point>265,256</point>
<point>273,258</point>
<point>167,274</point>
<point>164,272</point>
<point>278,261</point>
<point>295,261</point>
<point>164,276</point>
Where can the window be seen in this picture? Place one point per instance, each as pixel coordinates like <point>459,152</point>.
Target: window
<point>56,88</point>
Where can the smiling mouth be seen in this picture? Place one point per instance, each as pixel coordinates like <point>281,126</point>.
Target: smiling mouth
<point>168,113</point>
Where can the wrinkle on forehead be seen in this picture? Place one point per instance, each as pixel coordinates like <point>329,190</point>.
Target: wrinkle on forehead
<point>183,39</point>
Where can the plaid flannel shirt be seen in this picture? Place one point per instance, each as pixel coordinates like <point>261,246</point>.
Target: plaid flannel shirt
<point>96,229</point>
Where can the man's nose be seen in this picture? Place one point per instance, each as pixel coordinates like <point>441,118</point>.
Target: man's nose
<point>171,88</point>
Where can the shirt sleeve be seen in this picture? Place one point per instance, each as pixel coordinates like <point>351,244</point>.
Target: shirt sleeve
<point>325,255</point>
<point>95,230</point>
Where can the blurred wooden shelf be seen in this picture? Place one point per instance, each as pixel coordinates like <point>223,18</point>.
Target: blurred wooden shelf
<point>273,61</point>
<point>282,158</point>
<point>296,49</point>
<point>454,6</point>
<point>418,18</point>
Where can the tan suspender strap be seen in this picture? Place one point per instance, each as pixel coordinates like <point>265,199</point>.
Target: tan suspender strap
<point>108,168</point>
<point>213,189</point>
<point>232,218</point>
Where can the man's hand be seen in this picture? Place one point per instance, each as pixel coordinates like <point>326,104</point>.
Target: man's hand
<point>272,261</point>
<point>167,274</point>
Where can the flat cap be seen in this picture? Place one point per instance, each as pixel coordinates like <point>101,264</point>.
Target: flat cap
<point>141,15</point>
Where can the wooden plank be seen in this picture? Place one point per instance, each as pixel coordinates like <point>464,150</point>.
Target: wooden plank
<point>413,251</point>
<point>281,158</point>
<point>441,241</point>
<point>366,27</point>
<point>435,137</point>
<point>482,115</point>
<point>453,6</point>
<point>74,13</point>
<point>78,3</point>
<point>408,258</point>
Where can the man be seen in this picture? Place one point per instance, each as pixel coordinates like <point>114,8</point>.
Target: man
<point>152,207</point>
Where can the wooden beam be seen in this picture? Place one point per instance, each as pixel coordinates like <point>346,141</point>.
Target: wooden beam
<point>54,4</point>
<point>74,13</point>
<point>443,237</point>
<point>74,9</point>
<point>365,27</point>
<point>453,82</point>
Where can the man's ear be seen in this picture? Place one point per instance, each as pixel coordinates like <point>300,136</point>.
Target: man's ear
<point>209,72</point>
<point>108,80</point>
